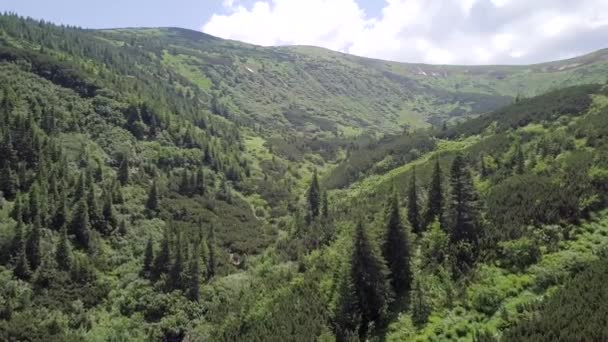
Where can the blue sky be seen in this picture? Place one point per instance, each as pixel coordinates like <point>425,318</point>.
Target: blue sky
<point>190,14</point>
<point>427,31</point>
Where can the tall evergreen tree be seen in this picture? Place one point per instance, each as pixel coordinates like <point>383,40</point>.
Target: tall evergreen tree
<point>123,170</point>
<point>109,218</point>
<point>413,211</point>
<point>396,249</point>
<point>162,262</point>
<point>434,208</point>
<point>148,259</point>
<point>80,190</point>
<point>369,283</point>
<point>60,217</point>
<point>347,317</point>
<point>325,206</point>
<point>22,267</point>
<point>194,275</point>
<point>464,215</point>
<point>32,246</point>
<point>211,262</point>
<point>34,207</point>
<point>314,198</point>
<point>421,308</point>
<point>9,182</point>
<point>93,210</point>
<point>80,225</point>
<point>122,228</point>
<point>63,254</point>
<point>152,202</point>
<point>177,268</point>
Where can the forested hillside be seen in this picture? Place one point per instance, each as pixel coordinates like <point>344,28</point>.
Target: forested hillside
<point>162,184</point>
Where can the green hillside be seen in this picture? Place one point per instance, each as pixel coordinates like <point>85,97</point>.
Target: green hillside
<point>163,184</point>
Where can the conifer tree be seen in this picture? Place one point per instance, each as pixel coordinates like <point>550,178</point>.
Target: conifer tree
<point>9,183</point>
<point>194,275</point>
<point>146,270</point>
<point>396,249</point>
<point>434,208</point>
<point>325,206</point>
<point>177,268</point>
<point>464,215</point>
<point>413,212</point>
<point>162,262</point>
<point>123,170</point>
<point>369,283</point>
<point>122,228</point>
<point>211,262</point>
<point>93,211</point>
<point>80,225</point>
<point>117,193</point>
<point>347,317</point>
<point>32,246</point>
<point>421,308</point>
<point>22,267</point>
<point>200,182</point>
<point>80,190</point>
<point>314,198</point>
<point>63,254</point>
<point>109,218</point>
<point>152,202</point>
<point>60,217</point>
<point>34,209</point>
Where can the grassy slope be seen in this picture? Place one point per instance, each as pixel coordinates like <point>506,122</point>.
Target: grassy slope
<point>312,88</point>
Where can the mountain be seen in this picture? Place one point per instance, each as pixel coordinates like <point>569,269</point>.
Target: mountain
<point>164,184</point>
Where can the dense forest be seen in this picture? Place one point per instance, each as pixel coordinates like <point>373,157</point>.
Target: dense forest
<point>143,198</point>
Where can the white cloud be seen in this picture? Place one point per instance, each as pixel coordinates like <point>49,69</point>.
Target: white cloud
<point>430,31</point>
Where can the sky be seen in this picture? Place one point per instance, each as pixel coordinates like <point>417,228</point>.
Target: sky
<point>421,31</point>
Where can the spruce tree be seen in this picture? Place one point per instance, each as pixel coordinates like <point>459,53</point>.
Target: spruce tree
<point>60,217</point>
<point>347,317</point>
<point>162,262</point>
<point>434,208</point>
<point>325,206</point>
<point>80,225</point>
<point>211,262</point>
<point>32,246</point>
<point>194,275</point>
<point>148,259</point>
<point>123,170</point>
<point>413,212</point>
<point>122,228</point>
<point>177,268</point>
<point>109,218</point>
<point>17,212</point>
<point>93,211</point>
<point>421,308</point>
<point>396,249</point>
<point>34,209</point>
<point>81,190</point>
<point>152,202</point>
<point>63,254</point>
<point>314,198</point>
<point>9,183</point>
<point>22,267</point>
<point>464,215</point>
<point>369,283</point>
<point>200,182</point>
